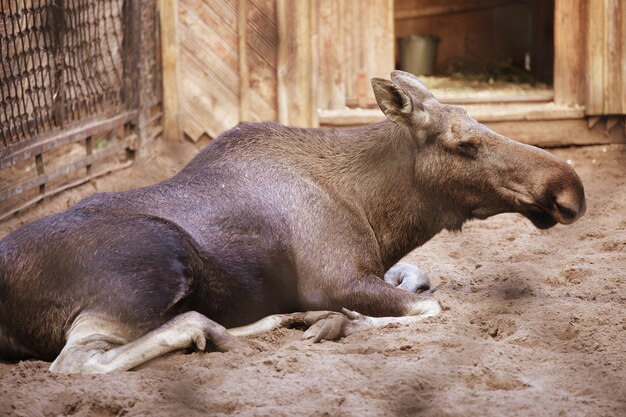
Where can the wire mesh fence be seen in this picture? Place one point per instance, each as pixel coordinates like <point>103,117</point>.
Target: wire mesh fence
<point>61,61</point>
<point>80,93</point>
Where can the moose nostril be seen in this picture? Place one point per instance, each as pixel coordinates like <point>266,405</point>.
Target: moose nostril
<point>566,212</point>
<point>568,207</point>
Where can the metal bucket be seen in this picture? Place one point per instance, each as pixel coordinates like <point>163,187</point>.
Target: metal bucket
<point>418,54</point>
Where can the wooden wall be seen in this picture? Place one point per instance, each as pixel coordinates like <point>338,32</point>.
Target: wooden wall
<point>355,43</point>
<point>242,60</point>
<point>285,60</point>
<point>212,79</point>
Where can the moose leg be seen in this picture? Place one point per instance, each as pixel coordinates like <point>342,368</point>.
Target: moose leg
<point>97,345</point>
<point>334,326</point>
<point>407,277</point>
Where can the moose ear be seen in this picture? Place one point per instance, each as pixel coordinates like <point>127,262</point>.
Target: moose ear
<point>395,103</point>
<point>409,82</point>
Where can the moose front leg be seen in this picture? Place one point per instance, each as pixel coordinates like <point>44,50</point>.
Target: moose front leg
<point>391,304</point>
<point>365,302</point>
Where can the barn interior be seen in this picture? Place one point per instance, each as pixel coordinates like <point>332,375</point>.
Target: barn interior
<point>478,50</point>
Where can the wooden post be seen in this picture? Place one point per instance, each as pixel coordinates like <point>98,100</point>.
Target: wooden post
<point>168,16</point>
<point>331,44</point>
<point>569,52</point>
<point>296,67</point>
<point>244,77</point>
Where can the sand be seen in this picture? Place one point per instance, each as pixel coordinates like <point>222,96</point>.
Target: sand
<point>534,324</point>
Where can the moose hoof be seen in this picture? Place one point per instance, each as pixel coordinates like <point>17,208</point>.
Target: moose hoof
<point>407,277</point>
<point>199,329</point>
<point>329,325</point>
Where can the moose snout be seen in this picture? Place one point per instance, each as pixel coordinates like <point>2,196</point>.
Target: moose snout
<point>557,194</point>
<point>563,196</point>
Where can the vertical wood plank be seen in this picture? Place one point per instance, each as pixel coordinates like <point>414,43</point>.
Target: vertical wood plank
<point>244,78</point>
<point>368,47</point>
<point>613,64</point>
<point>595,57</point>
<point>330,43</point>
<point>168,16</point>
<point>569,61</point>
<point>622,37</point>
<point>295,66</point>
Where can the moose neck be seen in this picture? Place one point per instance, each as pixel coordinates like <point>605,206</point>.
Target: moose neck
<point>377,171</point>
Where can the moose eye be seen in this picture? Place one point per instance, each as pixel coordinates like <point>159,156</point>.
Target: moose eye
<point>468,149</point>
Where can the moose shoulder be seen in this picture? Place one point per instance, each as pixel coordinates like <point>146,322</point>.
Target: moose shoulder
<point>268,221</point>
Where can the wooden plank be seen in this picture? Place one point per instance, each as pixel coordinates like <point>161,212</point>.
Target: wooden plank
<point>244,78</point>
<point>262,56</point>
<point>622,38</point>
<point>193,129</point>
<point>482,113</point>
<point>569,52</point>
<point>612,102</point>
<point>43,178</point>
<point>11,156</point>
<point>330,44</point>
<point>168,15</point>
<point>57,190</point>
<point>544,133</point>
<point>595,28</point>
<point>518,112</point>
<point>555,133</point>
<point>536,98</point>
<point>367,52</point>
<point>209,65</point>
<point>413,10</point>
<point>295,66</point>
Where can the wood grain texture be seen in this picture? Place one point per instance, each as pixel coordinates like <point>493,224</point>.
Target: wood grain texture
<point>331,62</point>
<point>168,15</point>
<point>606,57</point>
<point>369,46</point>
<point>244,78</point>
<point>569,52</point>
<point>296,100</point>
<point>227,64</point>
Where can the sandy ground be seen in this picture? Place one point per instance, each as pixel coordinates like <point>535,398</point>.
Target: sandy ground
<point>534,324</point>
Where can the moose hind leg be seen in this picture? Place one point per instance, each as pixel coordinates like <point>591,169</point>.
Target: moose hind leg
<point>97,345</point>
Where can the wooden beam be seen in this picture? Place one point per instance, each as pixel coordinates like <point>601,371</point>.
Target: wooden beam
<point>44,177</point>
<point>244,77</point>
<point>168,15</point>
<point>614,62</point>
<point>44,143</point>
<point>118,166</point>
<point>296,68</point>
<point>482,112</point>
<point>556,133</point>
<point>448,9</point>
<point>569,52</point>
<point>330,43</point>
<point>595,29</point>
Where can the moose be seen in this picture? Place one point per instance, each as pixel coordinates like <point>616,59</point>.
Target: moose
<point>269,226</point>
